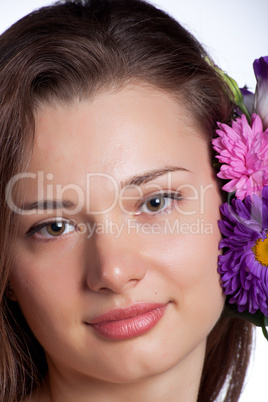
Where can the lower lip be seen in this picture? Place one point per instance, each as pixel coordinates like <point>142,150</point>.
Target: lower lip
<point>130,327</point>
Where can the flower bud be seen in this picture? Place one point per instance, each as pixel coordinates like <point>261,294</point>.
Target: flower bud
<point>261,94</point>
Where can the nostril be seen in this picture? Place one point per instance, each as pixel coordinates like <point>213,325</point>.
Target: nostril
<point>105,290</point>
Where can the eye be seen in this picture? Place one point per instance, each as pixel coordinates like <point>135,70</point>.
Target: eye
<point>52,229</point>
<point>156,204</point>
<point>159,203</point>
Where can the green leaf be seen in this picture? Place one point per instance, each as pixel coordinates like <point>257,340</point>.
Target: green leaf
<point>232,84</point>
<point>257,318</point>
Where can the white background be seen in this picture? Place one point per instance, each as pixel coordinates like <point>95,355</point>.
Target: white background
<point>234,32</point>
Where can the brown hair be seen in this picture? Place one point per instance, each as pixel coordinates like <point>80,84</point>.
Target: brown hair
<point>75,49</point>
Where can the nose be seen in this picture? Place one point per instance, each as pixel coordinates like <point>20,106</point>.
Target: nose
<point>114,264</point>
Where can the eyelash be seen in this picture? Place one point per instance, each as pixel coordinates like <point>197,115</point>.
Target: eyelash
<point>174,197</point>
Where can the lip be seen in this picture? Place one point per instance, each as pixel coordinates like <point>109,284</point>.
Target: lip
<point>130,322</point>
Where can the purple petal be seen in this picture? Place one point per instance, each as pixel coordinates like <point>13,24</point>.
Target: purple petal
<point>244,279</point>
<point>261,94</point>
<point>260,67</point>
<point>248,98</point>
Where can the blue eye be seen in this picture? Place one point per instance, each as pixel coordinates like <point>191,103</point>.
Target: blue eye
<point>51,229</point>
<point>159,203</point>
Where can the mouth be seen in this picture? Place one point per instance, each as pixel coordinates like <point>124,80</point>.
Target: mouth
<point>130,322</point>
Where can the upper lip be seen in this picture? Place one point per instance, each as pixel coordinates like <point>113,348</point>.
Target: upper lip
<point>125,313</point>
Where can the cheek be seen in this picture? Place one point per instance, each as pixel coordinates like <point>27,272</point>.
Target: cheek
<point>190,261</point>
<point>187,266</point>
<point>45,289</point>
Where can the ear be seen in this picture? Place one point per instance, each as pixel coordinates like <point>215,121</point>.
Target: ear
<point>10,292</point>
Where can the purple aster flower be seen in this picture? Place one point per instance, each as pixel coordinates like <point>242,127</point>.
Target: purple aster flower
<point>261,94</point>
<point>243,266</point>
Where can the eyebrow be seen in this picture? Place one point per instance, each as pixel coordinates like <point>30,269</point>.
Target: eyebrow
<point>146,177</point>
<point>47,204</point>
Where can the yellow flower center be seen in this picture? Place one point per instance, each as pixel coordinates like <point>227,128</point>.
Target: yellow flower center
<point>261,251</point>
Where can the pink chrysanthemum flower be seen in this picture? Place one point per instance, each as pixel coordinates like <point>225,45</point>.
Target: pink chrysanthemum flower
<point>243,152</point>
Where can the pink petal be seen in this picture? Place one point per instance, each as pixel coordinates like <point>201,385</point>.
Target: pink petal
<point>231,186</point>
<point>256,124</point>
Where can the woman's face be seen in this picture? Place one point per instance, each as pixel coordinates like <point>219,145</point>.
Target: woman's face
<point>115,263</point>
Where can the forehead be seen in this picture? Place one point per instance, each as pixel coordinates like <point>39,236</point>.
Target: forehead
<point>116,131</point>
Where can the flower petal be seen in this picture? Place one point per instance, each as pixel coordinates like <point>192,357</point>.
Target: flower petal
<point>244,278</point>
<point>261,93</point>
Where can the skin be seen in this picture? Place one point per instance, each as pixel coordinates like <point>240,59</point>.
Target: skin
<point>62,282</point>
